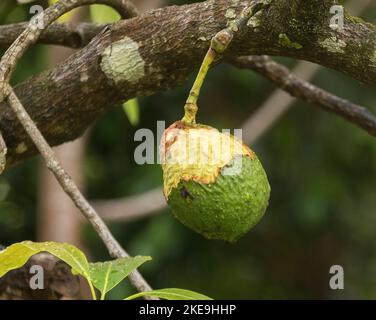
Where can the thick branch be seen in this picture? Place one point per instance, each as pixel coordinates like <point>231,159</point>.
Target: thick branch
<point>159,50</point>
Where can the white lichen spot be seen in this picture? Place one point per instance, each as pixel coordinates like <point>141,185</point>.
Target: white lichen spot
<point>122,61</point>
<point>333,44</point>
<point>255,21</point>
<point>21,148</point>
<point>230,14</point>
<point>84,76</point>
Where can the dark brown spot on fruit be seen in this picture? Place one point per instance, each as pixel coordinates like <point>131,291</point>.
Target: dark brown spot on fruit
<point>185,193</point>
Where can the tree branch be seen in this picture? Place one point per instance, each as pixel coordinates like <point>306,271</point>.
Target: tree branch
<point>159,50</point>
<point>74,35</point>
<point>282,77</point>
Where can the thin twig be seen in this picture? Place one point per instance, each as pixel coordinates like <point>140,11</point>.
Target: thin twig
<point>73,35</point>
<point>7,65</point>
<point>70,187</point>
<point>68,34</point>
<point>282,77</point>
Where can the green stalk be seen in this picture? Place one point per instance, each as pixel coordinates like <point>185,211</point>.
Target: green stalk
<point>218,45</point>
<point>190,107</point>
<point>92,290</point>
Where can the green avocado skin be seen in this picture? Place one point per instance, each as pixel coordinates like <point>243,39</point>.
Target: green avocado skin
<point>227,208</point>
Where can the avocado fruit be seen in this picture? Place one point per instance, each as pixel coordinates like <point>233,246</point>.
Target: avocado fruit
<point>213,182</point>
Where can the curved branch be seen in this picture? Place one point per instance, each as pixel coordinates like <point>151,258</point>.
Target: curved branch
<point>158,51</point>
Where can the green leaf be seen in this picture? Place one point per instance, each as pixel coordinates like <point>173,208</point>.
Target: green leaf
<point>132,110</point>
<point>16,255</point>
<point>106,275</point>
<point>171,294</point>
<point>103,14</point>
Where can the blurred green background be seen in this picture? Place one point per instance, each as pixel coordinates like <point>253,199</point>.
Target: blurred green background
<point>322,171</point>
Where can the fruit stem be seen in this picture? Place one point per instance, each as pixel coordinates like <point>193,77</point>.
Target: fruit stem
<point>218,45</point>
<point>190,107</point>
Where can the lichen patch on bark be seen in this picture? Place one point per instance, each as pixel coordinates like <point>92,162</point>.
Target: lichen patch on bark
<point>333,44</point>
<point>285,41</point>
<point>230,14</point>
<point>122,61</point>
<point>255,21</point>
<point>21,148</point>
